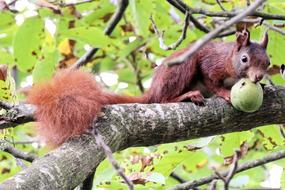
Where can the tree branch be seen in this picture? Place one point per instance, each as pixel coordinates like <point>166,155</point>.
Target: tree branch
<point>123,4</point>
<point>129,125</point>
<point>274,28</point>
<point>229,14</point>
<point>6,147</point>
<point>179,41</point>
<point>248,165</point>
<point>201,42</point>
<point>16,115</point>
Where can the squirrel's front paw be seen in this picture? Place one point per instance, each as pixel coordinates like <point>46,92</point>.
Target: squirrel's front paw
<point>225,95</point>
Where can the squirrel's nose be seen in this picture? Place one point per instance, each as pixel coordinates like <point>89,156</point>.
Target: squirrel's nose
<point>258,78</point>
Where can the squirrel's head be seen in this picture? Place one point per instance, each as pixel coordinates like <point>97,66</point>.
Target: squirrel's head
<point>251,59</point>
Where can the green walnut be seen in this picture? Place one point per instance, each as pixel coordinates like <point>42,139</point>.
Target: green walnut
<point>246,95</point>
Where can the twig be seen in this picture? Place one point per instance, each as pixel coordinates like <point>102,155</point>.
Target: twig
<point>6,147</point>
<point>245,166</point>
<point>20,163</point>
<point>196,23</point>
<point>177,177</point>
<point>23,142</point>
<point>213,185</point>
<point>201,42</point>
<point>274,28</point>
<point>229,14</point>
<point>182,7</point>
<point>179,41</point>
<point>227,179</point>
<point>109,154</point>
<point>248,2</point>
<point>282,131</point>
<point>63,4</point>
<point>108,30</point>
<point>220,4</point>
<point>137,71</point>
<point>6,105</point>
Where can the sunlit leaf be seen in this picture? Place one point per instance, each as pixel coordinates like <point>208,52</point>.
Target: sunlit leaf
<point>88,35</point>
<point>27,43</point>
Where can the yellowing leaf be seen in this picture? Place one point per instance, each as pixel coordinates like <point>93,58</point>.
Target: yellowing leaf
<point>64,47</point>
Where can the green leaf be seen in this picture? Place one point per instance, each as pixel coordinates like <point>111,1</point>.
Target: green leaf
<point>131,47</point>
<point>276,42</point>
<point>141,11</point>
<point>27,43</point>
<point>231,142</point>
<point>196,161</point>
<point>271,136</point>
<point>126,75</point>
<point>7,18</point>
<point>88,35</point>
<point>7,35</point>
<point>44,69</point>
<point>170,161</point>
<point>6,57</point>
<point>8,90</point>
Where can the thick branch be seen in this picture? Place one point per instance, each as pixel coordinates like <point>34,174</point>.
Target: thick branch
<point>143,125</point>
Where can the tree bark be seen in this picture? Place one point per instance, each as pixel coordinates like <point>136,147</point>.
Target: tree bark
<point>142,125</point>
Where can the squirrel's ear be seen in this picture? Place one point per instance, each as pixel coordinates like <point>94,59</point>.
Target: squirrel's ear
<point>243,38</point>
<point>264,40</point>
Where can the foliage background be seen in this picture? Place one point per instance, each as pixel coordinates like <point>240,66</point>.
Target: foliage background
<point>34,42</point>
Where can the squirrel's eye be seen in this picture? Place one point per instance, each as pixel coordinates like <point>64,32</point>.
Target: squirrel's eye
<point>244,59</point>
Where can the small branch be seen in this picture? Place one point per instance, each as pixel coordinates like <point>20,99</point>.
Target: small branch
<point>177,177</point>
<point>227,179</point>
<point>220,4</point>
<point>201,42</point>
<point>6,147</point>
<point>179,41</point>
<point>274,28</point>
<point>137,72</point>
<point>213,185</point>
<point>23,142</point>
<point>229,14</point>
<point>113,161</point>
<point>181,7</point>
<point>108,30</point>
<point>282,131</point>
<point>245,166</point>
<point>248,2</point>
<point>63,4</point>
<point>6,105</point>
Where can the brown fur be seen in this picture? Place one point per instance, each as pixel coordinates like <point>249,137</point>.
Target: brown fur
<point>67,105</point>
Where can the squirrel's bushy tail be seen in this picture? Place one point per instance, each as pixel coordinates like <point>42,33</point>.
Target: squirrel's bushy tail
<point>66,105</point>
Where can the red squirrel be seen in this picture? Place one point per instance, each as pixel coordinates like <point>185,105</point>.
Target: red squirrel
<point>68,103</point>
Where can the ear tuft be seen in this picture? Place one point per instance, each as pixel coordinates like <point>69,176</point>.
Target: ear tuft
<point>264,40</point>
<point>242,38</point>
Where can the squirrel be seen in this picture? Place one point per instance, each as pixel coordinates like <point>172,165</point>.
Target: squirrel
<point>67,104</point>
